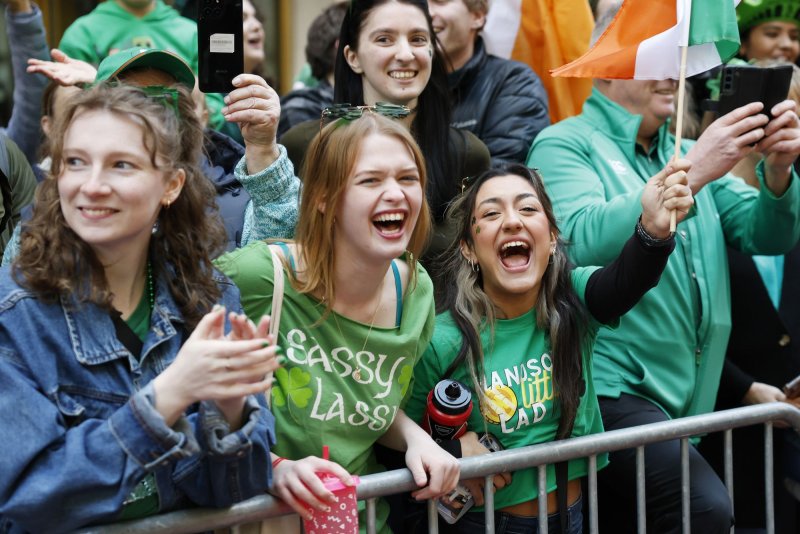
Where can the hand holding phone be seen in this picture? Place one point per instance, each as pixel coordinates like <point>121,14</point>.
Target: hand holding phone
<point>220,44</point>
<point>742,84</point>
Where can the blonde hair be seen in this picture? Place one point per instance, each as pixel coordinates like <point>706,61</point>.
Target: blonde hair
<point>328,164</point>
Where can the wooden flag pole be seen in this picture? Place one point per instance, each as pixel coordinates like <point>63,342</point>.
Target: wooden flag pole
<point>679,125</point>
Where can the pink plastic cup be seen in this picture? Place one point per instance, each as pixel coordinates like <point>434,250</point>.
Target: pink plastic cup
<point>343,517</point>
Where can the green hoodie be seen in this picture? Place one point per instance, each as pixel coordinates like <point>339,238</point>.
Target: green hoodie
<point>670,347</point>
<point>109,28</point>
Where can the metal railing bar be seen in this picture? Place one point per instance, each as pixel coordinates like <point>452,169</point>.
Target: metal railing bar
<point>433,517</point>
<point>769,482</point>
<point>542,499</point>
<point>391,482</point>
<point>641,508</point>
<point>593,519</point>
<point>728,447</point>
<point>686,486</point>
<point>371,510</point>
<point>488,503</point>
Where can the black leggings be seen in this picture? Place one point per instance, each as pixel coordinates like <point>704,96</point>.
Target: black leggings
<point>711,511</point>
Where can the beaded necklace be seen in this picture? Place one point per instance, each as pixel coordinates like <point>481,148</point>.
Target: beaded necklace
<point>151,294</point>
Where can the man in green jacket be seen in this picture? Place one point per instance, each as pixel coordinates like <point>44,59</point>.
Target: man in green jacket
<point>664,359</point>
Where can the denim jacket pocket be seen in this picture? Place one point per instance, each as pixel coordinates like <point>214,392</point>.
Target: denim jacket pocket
<point>78,403</point>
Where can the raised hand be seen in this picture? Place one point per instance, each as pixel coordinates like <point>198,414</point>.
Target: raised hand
<point>727,140</point>
<point>666,191</point>
<point>257,109</point>
<point>63,69</point>
<point>780,146</point>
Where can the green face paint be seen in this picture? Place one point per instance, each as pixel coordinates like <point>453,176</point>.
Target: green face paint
<point>473,219</point>
<point>477,229</point>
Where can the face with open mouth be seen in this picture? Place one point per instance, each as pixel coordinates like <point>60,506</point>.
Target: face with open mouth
<point>110,191</point>
<point>380,205</point>
<point>394,54</point>
<point>511,242</point>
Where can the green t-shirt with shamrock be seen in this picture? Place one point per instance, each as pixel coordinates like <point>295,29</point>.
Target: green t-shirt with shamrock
<point>343,381</point>
<point>522,405</point>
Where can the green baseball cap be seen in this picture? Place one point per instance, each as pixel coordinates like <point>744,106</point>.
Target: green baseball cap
<point>751,13</point>
<point>138,57</point>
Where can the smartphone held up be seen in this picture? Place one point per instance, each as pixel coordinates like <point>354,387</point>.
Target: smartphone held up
<point>220,44</point>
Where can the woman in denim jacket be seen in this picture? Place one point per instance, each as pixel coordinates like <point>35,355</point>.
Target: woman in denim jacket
<point>120,393</point>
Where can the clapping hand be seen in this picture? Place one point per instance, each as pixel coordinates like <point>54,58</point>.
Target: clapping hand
<point>212,366</point>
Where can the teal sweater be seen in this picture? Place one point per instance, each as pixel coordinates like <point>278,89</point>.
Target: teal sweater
<point>670,348</point>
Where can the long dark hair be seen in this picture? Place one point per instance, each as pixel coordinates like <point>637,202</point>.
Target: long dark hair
<point>559,311</point>
<point>431,125</point>
<point>54,261</point>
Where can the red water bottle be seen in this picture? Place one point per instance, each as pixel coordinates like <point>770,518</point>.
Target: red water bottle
<point>449,406</point>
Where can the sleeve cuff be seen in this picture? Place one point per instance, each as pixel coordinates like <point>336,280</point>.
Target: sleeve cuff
<point>787,195</point>
<point>217,434</point>
<point>271,183</point>
<point>144,435</point>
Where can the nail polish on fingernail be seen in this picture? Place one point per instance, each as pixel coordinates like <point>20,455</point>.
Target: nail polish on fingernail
<point>281,360</point>
<point>266,344</point>
<point>278,350</point>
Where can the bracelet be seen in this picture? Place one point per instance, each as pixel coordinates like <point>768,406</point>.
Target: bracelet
<point>276,461</point>
<point>649,240</point>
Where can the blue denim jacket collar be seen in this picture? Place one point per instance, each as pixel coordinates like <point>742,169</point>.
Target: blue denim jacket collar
<point>91,329</point>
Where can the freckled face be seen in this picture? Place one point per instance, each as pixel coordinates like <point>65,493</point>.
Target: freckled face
<point>394,54</point>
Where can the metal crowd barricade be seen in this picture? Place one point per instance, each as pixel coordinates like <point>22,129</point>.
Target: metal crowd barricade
<point>399,481</point>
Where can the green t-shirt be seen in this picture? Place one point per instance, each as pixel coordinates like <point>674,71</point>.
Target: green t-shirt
<point>143,500</point>
<point>521,405</point>
<point>318,397</point>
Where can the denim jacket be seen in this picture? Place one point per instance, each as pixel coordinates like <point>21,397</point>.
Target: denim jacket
<point>79,428</point>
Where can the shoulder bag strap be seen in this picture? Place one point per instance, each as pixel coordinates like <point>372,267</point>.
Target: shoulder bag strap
<point>277,302</point>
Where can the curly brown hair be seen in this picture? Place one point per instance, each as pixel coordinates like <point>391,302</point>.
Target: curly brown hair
<point>54,262</point>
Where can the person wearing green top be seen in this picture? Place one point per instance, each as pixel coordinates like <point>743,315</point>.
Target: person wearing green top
<point>664,360</point>
<point>357,313</point>
<point>116,25</point>
<point>518,327</point>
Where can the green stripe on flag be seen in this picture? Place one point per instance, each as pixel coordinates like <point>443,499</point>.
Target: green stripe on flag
<point>714,21</point>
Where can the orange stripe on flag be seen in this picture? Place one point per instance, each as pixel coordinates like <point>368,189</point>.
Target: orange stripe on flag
<point>614,54</point>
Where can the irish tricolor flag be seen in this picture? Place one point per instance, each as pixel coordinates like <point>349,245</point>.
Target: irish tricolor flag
<point>644,39</point>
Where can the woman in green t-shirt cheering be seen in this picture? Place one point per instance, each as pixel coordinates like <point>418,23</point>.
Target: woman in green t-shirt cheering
<point>519,323</point>
<point>357,311</point>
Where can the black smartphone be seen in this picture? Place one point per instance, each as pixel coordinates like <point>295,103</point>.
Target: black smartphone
<point>742,84</point>
<point>219,43</point>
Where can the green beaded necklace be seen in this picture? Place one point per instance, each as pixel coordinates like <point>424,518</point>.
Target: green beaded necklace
<point>151,293</point>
